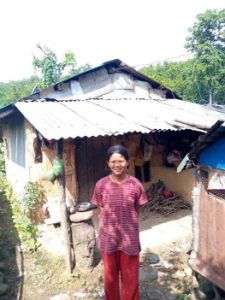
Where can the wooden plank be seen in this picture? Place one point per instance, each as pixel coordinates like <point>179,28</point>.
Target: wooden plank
<point>91,165</point>
<point>90,168</point>
<point>82,170</point>
<point>211,230</point>
<point>98,161</point>
<point>106,145</point>
<point>203,223</point>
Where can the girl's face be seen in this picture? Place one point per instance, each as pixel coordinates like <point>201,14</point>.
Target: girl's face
<point>117,164</point>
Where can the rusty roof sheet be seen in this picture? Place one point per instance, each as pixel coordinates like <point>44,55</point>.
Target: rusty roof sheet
<point>56,119</point>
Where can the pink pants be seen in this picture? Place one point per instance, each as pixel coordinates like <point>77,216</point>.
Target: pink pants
<point>120,267</point>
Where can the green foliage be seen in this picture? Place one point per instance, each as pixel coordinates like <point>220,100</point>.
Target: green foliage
<point>51,69</point>
<point>33,195</point>
<point>27,231</point>
<point>69,66</point>
<point>2,160</point>
<point>11,91</point>
<point>181,77</point>
<point>54,71</point>
<point>207,33</point>
<point>207,42</point>
<point>203,77</point>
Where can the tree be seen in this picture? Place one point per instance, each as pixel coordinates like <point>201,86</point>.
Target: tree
<point>207,42</point>
<point>48,65</point>
<point>13,90</point>
<point>202,78</point>
<point>52,70</point>
<point>179,77</point>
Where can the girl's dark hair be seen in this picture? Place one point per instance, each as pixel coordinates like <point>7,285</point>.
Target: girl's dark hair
<point>120,149</point>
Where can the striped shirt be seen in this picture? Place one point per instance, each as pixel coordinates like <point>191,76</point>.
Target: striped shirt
<point>118,220</point>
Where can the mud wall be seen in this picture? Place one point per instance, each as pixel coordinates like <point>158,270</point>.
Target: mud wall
<point>181,183</point>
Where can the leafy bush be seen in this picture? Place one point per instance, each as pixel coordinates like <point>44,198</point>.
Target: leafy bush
<point>2,160</point>
<point>27,231</point>
<point>33,195</point>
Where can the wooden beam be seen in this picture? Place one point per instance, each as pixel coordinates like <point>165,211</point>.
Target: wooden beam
<point>63,211</point>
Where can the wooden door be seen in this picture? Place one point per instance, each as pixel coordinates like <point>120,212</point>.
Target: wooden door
<point>91,164</point>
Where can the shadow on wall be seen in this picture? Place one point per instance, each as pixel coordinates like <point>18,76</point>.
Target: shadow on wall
<point>11,264</point>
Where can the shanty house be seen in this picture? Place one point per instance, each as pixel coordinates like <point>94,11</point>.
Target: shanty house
<point>208,156</point>
<point>85,114</point>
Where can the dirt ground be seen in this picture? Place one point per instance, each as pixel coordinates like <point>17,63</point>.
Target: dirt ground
<point>42,275</point>
<point>158,231</point>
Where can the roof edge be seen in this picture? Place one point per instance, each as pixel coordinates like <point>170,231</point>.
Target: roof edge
<point>198,146</point>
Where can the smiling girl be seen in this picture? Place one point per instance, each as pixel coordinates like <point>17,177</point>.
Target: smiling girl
<point>119,197</point>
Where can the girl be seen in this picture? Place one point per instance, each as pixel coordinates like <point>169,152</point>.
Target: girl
<point>119,197</point>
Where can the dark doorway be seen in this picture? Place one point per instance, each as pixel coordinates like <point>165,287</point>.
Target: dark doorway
<point>91,164</point>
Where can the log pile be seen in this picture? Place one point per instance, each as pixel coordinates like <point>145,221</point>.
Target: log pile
<point>162,201</point>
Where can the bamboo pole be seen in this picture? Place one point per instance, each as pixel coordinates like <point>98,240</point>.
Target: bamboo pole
<point>63,211</point>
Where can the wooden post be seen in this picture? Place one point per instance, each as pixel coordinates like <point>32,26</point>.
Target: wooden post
<point>63,211</point>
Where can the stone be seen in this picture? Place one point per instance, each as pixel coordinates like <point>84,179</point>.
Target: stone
<point>81,216</point>
<point>61,297</point>
<point>160,293</point>
<point>84,241</point>
<point>147,275</point>
<point>178,275</point>
<point>168,265</point>
<point>188,271</point>
<point>154,258</point>
<point>162,274</point>
<point>52,206</point>
<point>85,295</point>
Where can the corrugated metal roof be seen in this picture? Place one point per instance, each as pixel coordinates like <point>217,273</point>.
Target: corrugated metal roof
<point>216,132</point>
<point>56,119</point>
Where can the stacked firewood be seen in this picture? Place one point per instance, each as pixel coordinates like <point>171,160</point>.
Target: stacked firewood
<point>163,201</point>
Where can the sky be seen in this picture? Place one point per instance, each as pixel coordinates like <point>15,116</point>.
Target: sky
<point>139,32</point>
